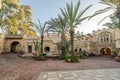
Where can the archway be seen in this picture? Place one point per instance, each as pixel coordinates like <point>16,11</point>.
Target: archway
<point>105,51</point>
<point>15,47</point>
<point>76,50</point>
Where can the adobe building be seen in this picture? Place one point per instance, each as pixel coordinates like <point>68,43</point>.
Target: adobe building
<point>25,43</point>
<point>99,42</point>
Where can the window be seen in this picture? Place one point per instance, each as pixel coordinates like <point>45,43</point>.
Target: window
<point>105,37</point>
<point>47,49</point>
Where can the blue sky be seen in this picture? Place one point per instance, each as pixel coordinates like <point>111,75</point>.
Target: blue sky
<point>47,9</point>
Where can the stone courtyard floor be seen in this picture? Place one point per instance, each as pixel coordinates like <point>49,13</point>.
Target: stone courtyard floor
<point>99,74</point>
<point>13,67</point>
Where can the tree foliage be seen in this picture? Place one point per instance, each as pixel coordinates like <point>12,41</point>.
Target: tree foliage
<point>115,2</point>
<point>113,24</point>
<point>37,46</point>
<point>41,29</point>
<point>74,17</point>
<point>63,45</point>
<point>59,25</point>
<point>15,18</point>
<point>112,5</point>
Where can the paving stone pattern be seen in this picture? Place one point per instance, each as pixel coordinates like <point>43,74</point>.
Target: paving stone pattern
<point>99,74</point>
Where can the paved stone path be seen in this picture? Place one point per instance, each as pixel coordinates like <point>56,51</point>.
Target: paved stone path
<point>100,74</point>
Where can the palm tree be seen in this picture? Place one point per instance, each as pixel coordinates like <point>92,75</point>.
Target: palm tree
<point>60,26</point>
<point>41,29</point>
<point>113,24</point>
<point>74,17</point>
<point>112,5</point>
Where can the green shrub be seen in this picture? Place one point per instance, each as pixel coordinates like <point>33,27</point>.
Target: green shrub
<point>70,58</point>
<point>62,57</point>
<point>82,55</point>
<point>40,57</point>
<point>63,48</point>
<point>118,60</point>
<point>115,52</point>
<point>37,46</point>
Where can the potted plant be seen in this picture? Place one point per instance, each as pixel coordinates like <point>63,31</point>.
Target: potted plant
<point>115,54</point>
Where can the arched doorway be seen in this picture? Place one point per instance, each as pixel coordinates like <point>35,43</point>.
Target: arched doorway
<point>76,50</point>
<point>105,51</point>
<point>29,49</point>
<point>47,49</point>
<point>15,47</point>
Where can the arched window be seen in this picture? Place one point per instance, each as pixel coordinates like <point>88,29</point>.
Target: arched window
<point>75,50</point>
<point>47,49</point>
<point>105,37</point>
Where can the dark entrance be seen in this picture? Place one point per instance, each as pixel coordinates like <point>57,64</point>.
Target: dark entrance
<point>75,50</point>
<point>47,49</point>
<point>105,51</point>
<point>15,47</point>
<point>29,49</point>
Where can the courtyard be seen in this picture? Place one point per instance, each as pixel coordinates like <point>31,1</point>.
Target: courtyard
<point>70,31</point>
<point>13,67</point>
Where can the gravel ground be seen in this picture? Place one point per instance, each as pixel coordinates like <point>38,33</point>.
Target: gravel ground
<point>13,67</point>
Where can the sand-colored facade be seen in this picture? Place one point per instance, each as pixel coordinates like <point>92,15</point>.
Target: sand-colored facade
<point>101,41</point>
<point>98,42</point>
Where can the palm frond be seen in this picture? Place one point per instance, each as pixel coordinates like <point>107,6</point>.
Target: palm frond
<point>76,9</point>
<point>69,11</point>
<point>82,12</point>
<point>109,25</point>
<point>108,3</point>
<point>64,13</point>
<point>40,28</point>
<point>111,6</point>
<point>102,11</point>
<point>58,24</point>
<point>81,19</point>
<point>104,18</point>
<point>117,25</point>
<point>115,2</point>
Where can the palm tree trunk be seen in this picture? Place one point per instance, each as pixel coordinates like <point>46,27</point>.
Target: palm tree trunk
<point>72,40</point>
<point>62,39</point>
<point>119,20</point>
<point>42,37</point>
<point>119,5</point>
